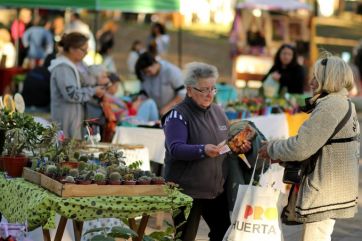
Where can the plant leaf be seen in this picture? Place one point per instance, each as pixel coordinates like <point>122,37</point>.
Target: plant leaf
<point>102,238</point>
<point>122,232</point>
<point>93,230</point>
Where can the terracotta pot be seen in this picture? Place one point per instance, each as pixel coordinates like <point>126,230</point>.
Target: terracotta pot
<point>158,182</point>
<point>1,164</point>
<point>14,165</point>
<point>84,182</point>
<point>118,182</point>
<point>100,182</point>
<point>70,164</point>
<point>143,182</point>
<point>129,182</point>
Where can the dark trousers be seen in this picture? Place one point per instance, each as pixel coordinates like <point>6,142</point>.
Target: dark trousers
<point>215,213</point>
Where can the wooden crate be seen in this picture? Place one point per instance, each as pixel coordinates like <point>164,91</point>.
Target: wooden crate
<point>77,190</point>
<point>31,176</point>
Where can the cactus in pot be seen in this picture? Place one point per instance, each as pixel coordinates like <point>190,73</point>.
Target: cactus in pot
<point>144,180</point>
<point>68,179</point>
<point>114,178</point>
<point>100,178</point>
<point>74,172</point>
<point>129,179</point>
<point>51,171</point>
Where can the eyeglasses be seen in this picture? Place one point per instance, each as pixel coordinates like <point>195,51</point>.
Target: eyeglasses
<point>85,51</point>
<point>324,63</point>
<point>206,91</point>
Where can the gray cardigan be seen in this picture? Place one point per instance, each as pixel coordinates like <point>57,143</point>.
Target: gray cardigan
<point>67,97</point>
<point>331,191</point>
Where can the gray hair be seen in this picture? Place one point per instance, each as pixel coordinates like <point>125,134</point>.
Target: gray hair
<point>195,71</point>
<point>96,70</point>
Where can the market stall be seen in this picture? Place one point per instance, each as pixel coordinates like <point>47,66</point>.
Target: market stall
<point>259,28</point>
<point>22,201</point>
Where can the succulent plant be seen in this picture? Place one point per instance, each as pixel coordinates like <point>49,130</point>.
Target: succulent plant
<point>76,155</point>
<point>114,176</point>
<point>82,165</point>
<point>137,173</point>
<point>86,175</point>
<point>63,171</point>
<point>99,177</point>
<point>83,159</point>
<point>128,177</point>
<point>144,180</point>
<point>158,180</point>
<point>51,170</point>
<point>69,179</point>
<point>74,172</point>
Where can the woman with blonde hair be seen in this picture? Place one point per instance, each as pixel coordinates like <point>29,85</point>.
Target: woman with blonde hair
<point>329,190</point>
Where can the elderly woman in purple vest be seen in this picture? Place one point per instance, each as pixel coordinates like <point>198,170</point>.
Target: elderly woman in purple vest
<point>195,130</point>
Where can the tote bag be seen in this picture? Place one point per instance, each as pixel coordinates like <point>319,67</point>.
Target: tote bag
<point>256,214</point>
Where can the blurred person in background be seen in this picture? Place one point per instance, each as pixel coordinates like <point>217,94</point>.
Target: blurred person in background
<point>36,89</point>
<point>17,30</point>
<point>7,49</point>
<point>57,28</point>
<point>159,39</point>
<point>136,50</point>
<point>286,71</point>
<point>39,40</point>
<point>136,109</point>
<point>67,95</point>
<point>161,81</point>
<point>106,37</point>
<point>77,25</point>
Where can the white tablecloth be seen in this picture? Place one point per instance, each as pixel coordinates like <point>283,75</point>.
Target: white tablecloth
<point>273,126</point>
<point>152,139</point>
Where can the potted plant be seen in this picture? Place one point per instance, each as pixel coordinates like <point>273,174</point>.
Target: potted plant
<point>144,180</point>
<point>99,178</point>
<point>114,178</point>
<point>68,179</point>
<point>22,132</point>
<point>158,180</point>
<point>128,179</point>
<point>85,178</point>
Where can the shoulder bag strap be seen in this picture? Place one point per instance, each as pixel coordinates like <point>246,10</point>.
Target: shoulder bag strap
<point>311,162</point>
<point>343,121</point>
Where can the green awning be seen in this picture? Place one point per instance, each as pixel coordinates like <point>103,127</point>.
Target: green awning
<point>145,6</point>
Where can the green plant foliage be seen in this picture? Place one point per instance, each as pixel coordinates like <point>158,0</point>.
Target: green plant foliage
<point>135,165</point>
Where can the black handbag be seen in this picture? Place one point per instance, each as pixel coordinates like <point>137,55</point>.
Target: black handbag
<point>294,171</point>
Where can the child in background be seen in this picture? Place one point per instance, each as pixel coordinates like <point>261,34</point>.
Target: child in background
<point>137,110</point>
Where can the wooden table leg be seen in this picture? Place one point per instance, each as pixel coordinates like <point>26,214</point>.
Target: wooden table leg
<point>46,235</point>
<point>140,229</point>
<point>77,228</point>
<point>160,217</point>
<point>60,229</point>
<point>142,226</point>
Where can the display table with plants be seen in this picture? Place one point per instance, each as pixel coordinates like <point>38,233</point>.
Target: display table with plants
<point>22,201</point>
